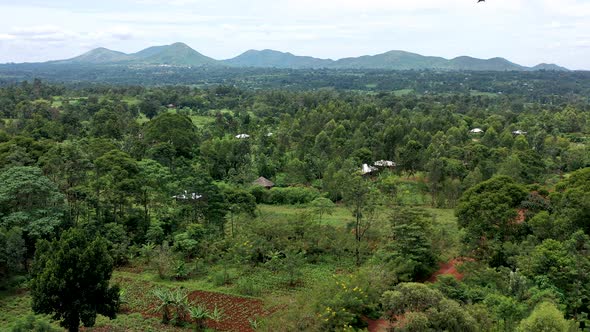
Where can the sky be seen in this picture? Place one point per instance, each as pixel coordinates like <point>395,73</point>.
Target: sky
<point>527,32</point>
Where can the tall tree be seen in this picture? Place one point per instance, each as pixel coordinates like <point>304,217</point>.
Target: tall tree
<point>362,199</point>
<point>70,280</point>
<point>409,249</point>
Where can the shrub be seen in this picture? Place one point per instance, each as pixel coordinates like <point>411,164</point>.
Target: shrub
<point>249,287</point>
<point>33,323</point>
<point>291,195</point>
<point>222,277</point>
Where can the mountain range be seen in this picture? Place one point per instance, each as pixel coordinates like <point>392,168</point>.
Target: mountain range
<point>180,54</point>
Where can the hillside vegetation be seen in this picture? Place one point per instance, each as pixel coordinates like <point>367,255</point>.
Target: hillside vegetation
<point>229,208</point>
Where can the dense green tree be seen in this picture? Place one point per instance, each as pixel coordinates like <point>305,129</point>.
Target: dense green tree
<point>150,108</point>
<point>571,201</point>
<point>562,266</point>
<point>70,280</point>
<point>30,201</point>
<point>176,129</point>
<point>409,249</point>
<point>488,213</point>
<point>546,318</point>
<point>428,310</point>
<point>12,252</point>
<point>411,156</point>
<point>116,184</point>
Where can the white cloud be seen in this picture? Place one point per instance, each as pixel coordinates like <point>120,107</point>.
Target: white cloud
<point>5,36</point>
<point>525,31</point>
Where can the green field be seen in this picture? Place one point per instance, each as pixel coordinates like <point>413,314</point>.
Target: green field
<point>137,280</point>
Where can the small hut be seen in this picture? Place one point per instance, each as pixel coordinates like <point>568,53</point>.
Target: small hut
<point>263,182</point>
<point>476,131</point>
<point>242,136</point>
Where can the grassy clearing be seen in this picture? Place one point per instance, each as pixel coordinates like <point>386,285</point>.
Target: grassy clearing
<point>131,101</point>
<point>447,233</point>
<point>58,101</point>
<point>198,120</point>
<point>402,92</point>
<point>340,217</point>
<point>202,120</point>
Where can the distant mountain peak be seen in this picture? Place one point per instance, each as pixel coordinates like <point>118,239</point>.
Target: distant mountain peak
<point>181,54</point>
<point>549,67</point>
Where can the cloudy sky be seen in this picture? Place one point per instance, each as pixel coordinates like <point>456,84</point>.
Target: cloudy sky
<point>525,31</point>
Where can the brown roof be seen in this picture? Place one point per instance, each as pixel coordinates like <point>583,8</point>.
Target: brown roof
<point>262,181</point>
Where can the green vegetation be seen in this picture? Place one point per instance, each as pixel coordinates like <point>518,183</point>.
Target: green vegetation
<point>176,208</point>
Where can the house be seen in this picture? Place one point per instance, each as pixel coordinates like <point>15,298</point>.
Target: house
<point>242,136</point>
<point>188,196</point>
<point>476,131</point>
<point>170,106</point>
<point>263,182</point>
<point>385,163</point>
<point>519,132</point>
<point>366,169</point>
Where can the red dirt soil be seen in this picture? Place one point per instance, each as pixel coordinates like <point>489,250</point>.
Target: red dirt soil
<point>449,268</point>
<point>379,325</point>
<point>236,310</point>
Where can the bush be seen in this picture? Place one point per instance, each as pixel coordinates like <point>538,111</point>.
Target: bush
<point>222,277</point>
<point>545,317</point>
<point>162,261</point>
<point>249,287</point>
<point>260,194</point>
<point>34,324</point>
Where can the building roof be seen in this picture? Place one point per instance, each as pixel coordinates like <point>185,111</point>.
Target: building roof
<point>385,163</point>
<point>519,132</point>
<point>188,196</point>
<point>264,182</point>
<point>243,136</point>
<point>476,131</point>
<point>366,169</point>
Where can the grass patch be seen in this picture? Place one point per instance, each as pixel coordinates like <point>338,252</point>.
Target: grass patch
<point>131,101</point>
<point>447,233</point>
<point>202,120</point>
<point>15,306</point>
<point>340,217</point>
<point>403,92</point>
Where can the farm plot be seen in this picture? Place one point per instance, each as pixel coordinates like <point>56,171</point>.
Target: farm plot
<point>237,312</point>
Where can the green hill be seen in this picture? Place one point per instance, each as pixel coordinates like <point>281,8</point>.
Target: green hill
<point>180,54</point>
<point>276,59</point>
<point>99,55</point>
<point>549,67</point>
<point>494,64</point>
<point>397,60</point>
